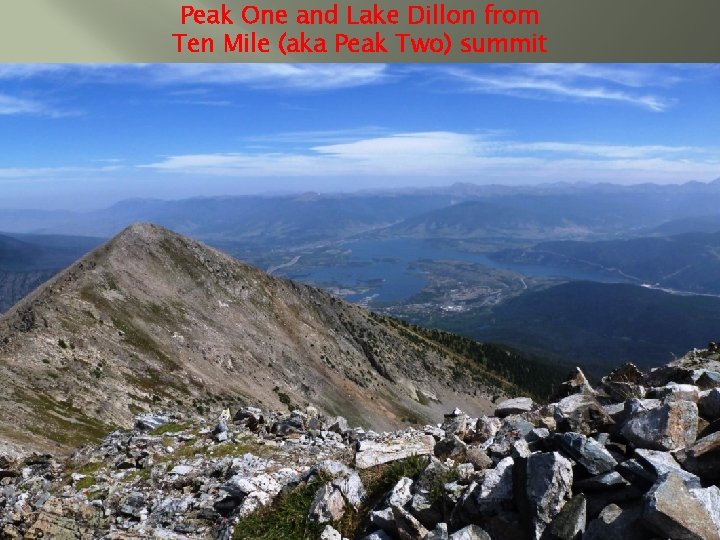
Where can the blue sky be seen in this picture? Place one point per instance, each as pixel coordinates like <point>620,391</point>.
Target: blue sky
<point>84,136</point>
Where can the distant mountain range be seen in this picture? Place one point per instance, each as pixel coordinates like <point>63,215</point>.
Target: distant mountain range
<point>570,209</point>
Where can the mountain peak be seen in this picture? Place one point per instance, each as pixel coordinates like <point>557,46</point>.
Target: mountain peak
<point>152,318</point>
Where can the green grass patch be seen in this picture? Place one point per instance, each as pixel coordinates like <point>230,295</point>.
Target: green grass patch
<point>138,474</point>
<point>142,341</point>
<point>171,427</point>
<point>62,421</point>
<point>91,468</point>
<point>378,481</point>
<point>286,519</point>
<point>85,483</point>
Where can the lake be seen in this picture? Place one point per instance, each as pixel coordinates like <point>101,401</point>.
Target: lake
<point>384,265</point>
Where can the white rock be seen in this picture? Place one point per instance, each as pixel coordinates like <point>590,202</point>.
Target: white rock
<point>329,533</point>
<point>370,453</point>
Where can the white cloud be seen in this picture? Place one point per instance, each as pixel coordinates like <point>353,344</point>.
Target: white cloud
<point>578,82</point>
<point>10,105</point>
<point>277,76</point>
<point>459,155</point>
<point>299,76</point>
<point>418,158</point>
<point>55,172</point>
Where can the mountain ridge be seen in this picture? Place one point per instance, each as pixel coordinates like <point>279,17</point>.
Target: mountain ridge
<point>153,318</point>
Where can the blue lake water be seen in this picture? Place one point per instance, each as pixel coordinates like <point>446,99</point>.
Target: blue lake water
<point>386,263</point>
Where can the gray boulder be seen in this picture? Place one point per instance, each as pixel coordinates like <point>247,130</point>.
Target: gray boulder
<point>408,528</point>
<point>471,532</point>
<point>338,424</point>
<point>496,490</point>
<point>378,535</point>
<point>678,392</point>
<point>401,493</point>
<point>608,480</point>
<point>440,532</point>
<point>352,489</point>
<point>329,533</point>
<point>615,523</point>
<point>370,453</point>
<point>384,520</point>
<point>672,511</point>
<point>544,486</point>
<point>709,404</point>
<point>576,383</point>
<point>517,405</point>
<point>588,452</point>
<point>662,463</point>
<point>486,427</point>
<point>703,457</point>
<point>669,427</point>
<point>708,380</point>
<point>456,423</point>
<point>581,413</point>
<point>570,523</point>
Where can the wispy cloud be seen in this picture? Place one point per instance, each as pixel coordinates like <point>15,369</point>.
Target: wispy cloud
<point>415,158</point>
<point>635,85</point>
<point>57,172</point>
<point>10,105</point>
<point>459,155</point>
<point>298,76</point>
<point>277,76</point>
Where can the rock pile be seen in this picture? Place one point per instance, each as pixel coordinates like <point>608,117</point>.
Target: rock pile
<point>635,457</point>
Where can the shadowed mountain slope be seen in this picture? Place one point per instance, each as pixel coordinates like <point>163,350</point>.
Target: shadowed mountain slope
<point>152,319</point>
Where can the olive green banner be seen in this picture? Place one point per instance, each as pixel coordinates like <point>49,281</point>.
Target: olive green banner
<point>360,31</point>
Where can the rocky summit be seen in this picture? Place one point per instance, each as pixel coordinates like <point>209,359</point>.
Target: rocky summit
<point>590,465</point>
<point>152,320</point>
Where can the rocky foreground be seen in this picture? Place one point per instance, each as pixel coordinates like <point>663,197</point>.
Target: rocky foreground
<point>637,457</point>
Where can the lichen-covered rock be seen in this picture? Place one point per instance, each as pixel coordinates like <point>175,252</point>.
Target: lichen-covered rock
<point>671,510</point>
<point>678,392</point>
<point>328,505</point>
<point>581,413</point>
<point>496,490</point>
<point>669,427</point>
<point>547,486</point>
<point>703,457</point>
<point>352,489</point>
<point>478,457</point>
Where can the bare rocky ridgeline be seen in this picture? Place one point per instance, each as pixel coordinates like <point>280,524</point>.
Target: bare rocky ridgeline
<point>154,320</point>
<point>636,457</point>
